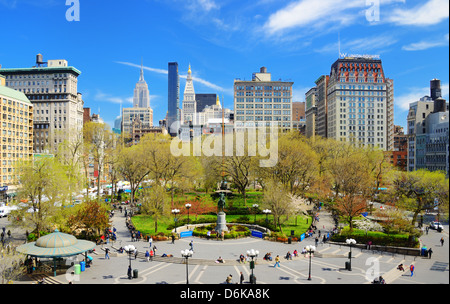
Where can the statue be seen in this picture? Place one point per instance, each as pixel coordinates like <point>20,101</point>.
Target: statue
<point>221,203</point>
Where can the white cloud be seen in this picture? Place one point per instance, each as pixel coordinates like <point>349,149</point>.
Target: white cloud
<point>366,44</point>
<point>306,13</point>
<point>430,13</point>
<point>415,93</point>
<point>100,96</point>
<point>195,79</point>
<point>424,45</point>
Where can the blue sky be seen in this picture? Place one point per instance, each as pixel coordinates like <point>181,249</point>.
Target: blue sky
<point>222,40</point>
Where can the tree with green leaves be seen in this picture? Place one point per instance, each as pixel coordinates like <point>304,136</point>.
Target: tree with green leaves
<point>154,202</point>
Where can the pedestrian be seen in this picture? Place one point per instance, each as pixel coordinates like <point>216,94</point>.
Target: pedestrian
<point>429,253</point>
<point>135,253</point>
<point>106,253</point>
<point>191,244</point>
<point>426,229</point>
<point>9,234</point>
<point>129,272</point>
<point>411,268</point>
<point>316,240</point>
<point>277,261</point>
<point>152,253</point>
<point>147,255</point>
<point>442,241</point>
<point>229,279</point>
<point>242,278</point>
<point>150,241</point>
<point>173,238</point>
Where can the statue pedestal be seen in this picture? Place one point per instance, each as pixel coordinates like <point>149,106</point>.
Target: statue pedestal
<point>221,222</point>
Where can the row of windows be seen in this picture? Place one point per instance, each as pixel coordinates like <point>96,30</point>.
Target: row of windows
<point>265,112</point>
<point>38,76</point>
<point>261,106</point>
<point>261,88</point>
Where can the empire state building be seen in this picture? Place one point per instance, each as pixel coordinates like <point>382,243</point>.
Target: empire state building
<point>141,97</point>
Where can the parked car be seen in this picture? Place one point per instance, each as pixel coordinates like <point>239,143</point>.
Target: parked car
<point>436,226</point>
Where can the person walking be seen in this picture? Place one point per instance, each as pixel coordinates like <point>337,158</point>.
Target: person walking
<point>442,241</point>
<point>411,268</point>
<point>429,253</point>
<point>135,253</point>
<point>277,261</point>
<point>106,253</point>
<point>173,238</point>
<point>241,278</point>
<point>150,241</point>
<point>191,244</point>
<point>229,279</point>
<point>147,255</point>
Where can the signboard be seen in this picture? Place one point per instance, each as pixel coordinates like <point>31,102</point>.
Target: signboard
<point>186,233</point>
<point>302,237</point>
<point>4,188</point>
<point>257,234</point>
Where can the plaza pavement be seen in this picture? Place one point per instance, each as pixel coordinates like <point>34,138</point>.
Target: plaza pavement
<point>327,264</point>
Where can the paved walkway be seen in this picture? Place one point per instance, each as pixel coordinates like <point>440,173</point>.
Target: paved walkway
<point>327,263</point>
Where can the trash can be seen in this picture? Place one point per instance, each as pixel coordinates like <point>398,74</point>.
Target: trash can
<point>82,266</point>
<point>423,251</point>
<point>347,266</point>
<point>289,240</point>
<point>77,268</point>
<point>252,279</point>
<point>135,274</point>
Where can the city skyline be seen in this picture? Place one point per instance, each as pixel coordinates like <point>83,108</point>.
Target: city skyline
<point>223,41</point>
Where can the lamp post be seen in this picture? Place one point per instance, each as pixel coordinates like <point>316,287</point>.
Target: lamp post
<point>267,212</point>
<point>310,249</point>
<point>188,206</point>
<point>129,249</point>
<point>255,206</point>
<point>253,254</point>
<point>350,242</point>
<point>175,212</point>
<point>187,254</point>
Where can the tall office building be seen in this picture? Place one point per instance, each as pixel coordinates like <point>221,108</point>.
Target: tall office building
<point>311,112</point>
<point>16,121</point>
<point>204,100</point>
<point>428,132</point>
<point>359,105</point>
<point>58,107</point>
<point>322,105</point>
<point>141,109</point>
<point>189,102</point>
<point>263,102</point>
<point>141,98</point>
<point>173,98</point>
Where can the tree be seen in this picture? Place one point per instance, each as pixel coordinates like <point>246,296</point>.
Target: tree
<point>418,191</point>
<point>98,139</point>
<point>92,217</point>
<point>155,203</point>
<point>11,265</point>
<point>352,183</point>
<point>277,199</point>
<point>44,185</point>
<point>133,166</point>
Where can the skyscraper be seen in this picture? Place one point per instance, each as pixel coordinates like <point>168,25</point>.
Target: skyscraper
<point>189,102</point>
<point>359,103</point>
<point>141,97</point>
<point>173,98</point>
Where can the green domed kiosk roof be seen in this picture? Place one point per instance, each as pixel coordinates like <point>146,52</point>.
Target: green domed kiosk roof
<point>56,244</point>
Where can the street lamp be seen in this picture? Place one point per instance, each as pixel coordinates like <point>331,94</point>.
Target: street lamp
<point>310,249</point>
<point>253,254</point>
<point>267,212</point>
<point>188,206</point>
<point>130,250</point>
<point>350,242</point>
<point>187,254</point>
<point>256,208</point>
<point>175,212</point>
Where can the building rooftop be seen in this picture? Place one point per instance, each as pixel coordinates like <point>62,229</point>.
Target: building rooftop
<point>11,93</point>
<point>42,69</point>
